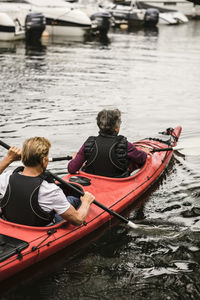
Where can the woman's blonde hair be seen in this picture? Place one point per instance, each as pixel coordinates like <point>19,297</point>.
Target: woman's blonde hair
<point>34,150</point>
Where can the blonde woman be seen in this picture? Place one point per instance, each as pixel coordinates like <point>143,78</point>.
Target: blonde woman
<point>29,196</point>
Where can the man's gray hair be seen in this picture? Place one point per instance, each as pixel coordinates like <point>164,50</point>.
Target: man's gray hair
<point>109,120</point>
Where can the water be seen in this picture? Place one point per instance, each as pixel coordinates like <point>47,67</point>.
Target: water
<point>56,91</point>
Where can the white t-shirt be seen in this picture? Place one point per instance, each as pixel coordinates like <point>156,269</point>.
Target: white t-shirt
<point>50,196</point>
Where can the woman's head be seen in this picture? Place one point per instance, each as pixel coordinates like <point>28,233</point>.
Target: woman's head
<point>109,120</point>
<point>34,150</point>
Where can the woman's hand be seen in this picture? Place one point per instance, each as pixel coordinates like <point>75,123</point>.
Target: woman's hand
<point>147,150</point>
<point>14,153</point>
<point>74,155</point>
<point>88,197</point>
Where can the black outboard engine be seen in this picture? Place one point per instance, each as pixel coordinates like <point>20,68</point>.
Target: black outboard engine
<point>101,22</point>
<point>151,17</point>
<point>35,24</point>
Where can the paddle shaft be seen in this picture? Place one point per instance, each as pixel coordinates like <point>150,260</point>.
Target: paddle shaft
<point>166,149</point>
<point>67,184</point>
<point>60,158</point>
<point>6,146</point>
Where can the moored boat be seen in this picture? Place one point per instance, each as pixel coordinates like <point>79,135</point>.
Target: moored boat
<point>61,18</point>
<point>188,8</point>
<point>22,246</point>
<point>131,15</point>
<point>167,15</point>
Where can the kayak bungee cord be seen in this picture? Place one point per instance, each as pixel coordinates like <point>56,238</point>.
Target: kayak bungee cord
<point>49,233</point>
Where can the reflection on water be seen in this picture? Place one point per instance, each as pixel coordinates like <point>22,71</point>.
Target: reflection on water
<point>55,89</point>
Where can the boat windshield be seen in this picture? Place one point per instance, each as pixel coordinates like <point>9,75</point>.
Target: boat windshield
<point>48,3</point>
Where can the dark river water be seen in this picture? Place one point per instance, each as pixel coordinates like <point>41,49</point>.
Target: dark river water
<point>55,91</point>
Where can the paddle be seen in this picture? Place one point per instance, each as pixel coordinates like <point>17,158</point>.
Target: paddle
<point>4,145</point>
<point>50,158</point>
<point>60,158</point>
<point>166,149</point>
<point>67,184</point>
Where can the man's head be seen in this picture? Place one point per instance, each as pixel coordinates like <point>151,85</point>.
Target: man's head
<point>109,121</point>
<point>35,152</point>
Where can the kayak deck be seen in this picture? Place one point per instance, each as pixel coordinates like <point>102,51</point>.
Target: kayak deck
<point>10,246</point>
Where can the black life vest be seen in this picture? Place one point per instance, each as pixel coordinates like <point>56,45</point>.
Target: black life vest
<point>106,155</point>
<point>20,202</point>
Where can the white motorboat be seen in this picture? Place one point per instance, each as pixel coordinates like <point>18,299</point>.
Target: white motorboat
<point>131,15</point>
<point>62,19</point>
<point>101,19</point>
<point>184,7</point>
<point>12,21</point>
<point>18,22</point>
<point>166,15</point>
<point>10,29</point>
<point>172,18</point>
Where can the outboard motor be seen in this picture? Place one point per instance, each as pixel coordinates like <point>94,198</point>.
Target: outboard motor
<point>151,17</point>
<point>35,24</point>
<point>101,22</point>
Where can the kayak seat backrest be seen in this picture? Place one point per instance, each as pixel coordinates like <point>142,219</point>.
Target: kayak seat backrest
<point>10,246</point>
<point>72,190</point>
<point>80,180</point>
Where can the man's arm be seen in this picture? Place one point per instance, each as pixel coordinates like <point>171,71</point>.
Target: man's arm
<point>14,153</point>
<point>77,217</point>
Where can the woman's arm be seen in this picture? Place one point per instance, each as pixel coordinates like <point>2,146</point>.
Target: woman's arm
<point>76,163</point>
<point>137,156</point>
<point>77,217</point>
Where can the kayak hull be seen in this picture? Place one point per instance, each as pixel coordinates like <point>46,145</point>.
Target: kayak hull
<point>34,244</point>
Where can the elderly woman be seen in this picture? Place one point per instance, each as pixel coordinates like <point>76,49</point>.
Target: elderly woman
<point>108,154</point>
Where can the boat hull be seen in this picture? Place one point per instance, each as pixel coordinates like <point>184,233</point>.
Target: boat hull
<point>183,6</point>
<point>10,36</point>
<point>66,30</point>
<point>33,244</point>
<point>10,30</point>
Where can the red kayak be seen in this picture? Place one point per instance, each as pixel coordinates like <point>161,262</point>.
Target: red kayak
<point>22,246</point>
